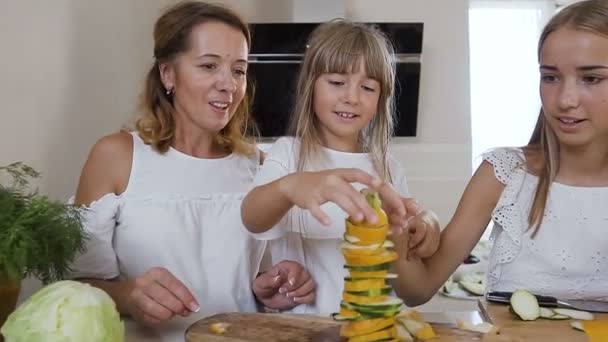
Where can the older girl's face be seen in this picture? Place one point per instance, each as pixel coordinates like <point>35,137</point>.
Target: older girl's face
<point>208,80</point>
<point>574,86</point>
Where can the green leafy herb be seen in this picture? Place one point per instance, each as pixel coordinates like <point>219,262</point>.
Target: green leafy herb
<point>38,236</point>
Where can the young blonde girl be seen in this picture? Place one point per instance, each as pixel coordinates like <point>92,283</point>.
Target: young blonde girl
<point>548,199</point>
<point>309,183</point>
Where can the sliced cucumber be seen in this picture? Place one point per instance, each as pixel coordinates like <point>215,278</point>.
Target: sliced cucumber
<point>558,317</point>
<point>477,289</point>
<point>392,303</point>
<point>379,267</point>
<point>576,314</point>
<point>340,318</point>
<point>547,313</point>
<point>483,327</point>
<point>373,292</point>
<point>525,305</point>
<point>473,278</point>
<point>385,276</point>
<point>577,325</point>
<point>351,239</point>
<point>403,334</point>
<point>352,246</point>
<point>372,312</point>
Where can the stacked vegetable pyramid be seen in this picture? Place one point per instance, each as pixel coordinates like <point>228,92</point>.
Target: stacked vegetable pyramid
<point>367,307</point>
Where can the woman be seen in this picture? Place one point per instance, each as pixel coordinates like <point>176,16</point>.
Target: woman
<point>164,201</point>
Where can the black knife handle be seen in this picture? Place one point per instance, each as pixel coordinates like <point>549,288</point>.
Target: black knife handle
<point>505,297</point>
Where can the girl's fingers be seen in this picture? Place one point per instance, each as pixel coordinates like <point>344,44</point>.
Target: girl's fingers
<point>347,203</point>
<point>319,214</point>
<point>358,176</point>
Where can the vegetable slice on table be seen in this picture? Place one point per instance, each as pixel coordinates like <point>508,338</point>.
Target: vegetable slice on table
<point>525,305</point>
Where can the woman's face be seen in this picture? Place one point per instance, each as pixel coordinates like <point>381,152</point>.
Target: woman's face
<point>574,86</point>
<point>209,79</point>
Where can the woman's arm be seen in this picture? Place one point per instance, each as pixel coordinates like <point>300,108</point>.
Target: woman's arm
<point>106,171</point>
<point>419,280</point>
<point>157,295</point>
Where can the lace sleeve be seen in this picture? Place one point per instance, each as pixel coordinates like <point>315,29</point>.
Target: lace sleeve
<point>505,162</point>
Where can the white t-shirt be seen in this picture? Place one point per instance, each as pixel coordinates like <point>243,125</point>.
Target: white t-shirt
<point>300,237</point>
<point>181,213</point>
<point>568,258</point>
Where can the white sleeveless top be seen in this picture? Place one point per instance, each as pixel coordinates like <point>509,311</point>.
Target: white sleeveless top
<point>181,213</point>
<point>300,237</point>
<point>568,258</point>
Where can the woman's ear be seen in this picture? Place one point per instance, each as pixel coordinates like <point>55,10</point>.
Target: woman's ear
<point>167,76</point>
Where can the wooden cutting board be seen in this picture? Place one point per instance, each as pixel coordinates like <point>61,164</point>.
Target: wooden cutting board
<point>538,330</point>
<point>248,327</point>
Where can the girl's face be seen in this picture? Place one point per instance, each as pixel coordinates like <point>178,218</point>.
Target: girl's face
<point>209,79</point>
<point>574,86</point>
<point>344,105</point>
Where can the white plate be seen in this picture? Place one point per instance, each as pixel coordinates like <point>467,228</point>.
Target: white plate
<point>459,294</point>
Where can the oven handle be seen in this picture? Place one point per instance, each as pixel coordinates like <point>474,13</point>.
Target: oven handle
<point>414,58</point>
<point>296,58</point>
<point>274,61</point>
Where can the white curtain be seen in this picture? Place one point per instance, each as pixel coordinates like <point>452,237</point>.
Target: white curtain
<point>504,71</point>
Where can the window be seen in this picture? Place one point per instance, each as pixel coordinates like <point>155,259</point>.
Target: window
<point>505,101</point>
<point>503,37</point>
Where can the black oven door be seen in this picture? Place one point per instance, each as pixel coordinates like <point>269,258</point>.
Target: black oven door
<point>274,82</point>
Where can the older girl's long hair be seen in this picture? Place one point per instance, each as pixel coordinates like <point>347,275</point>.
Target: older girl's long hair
<point>339,46</point>
<point>592,16</point>
<point>172,33</point>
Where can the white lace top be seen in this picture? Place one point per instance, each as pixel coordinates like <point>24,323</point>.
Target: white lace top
<point>181,213</point>
<point>568,258</point>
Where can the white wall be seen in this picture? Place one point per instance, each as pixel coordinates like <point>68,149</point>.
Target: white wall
<point>71,72</point>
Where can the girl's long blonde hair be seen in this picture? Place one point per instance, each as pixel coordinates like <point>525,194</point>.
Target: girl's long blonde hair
<point>172,30</point>
<point>339,46</point>
<point>592,16</point>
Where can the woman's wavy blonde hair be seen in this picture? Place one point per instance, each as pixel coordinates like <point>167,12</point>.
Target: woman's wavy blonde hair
<point>591,16</point>
<point>172,33</point>
<point>339,46</point>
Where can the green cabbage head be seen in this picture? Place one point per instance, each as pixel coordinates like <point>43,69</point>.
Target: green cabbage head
<point>65,311</point>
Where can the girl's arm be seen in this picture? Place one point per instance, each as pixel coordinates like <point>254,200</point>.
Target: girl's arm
<point>419,280</point>
<point>265,205</point>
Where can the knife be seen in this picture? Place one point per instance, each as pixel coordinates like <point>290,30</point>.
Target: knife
<point>552,302</point>
<point>451,317</point>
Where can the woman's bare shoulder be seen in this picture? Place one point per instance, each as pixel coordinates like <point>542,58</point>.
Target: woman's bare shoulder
<point>107,168</point>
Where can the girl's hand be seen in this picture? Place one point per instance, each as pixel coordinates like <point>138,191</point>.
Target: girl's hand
<point>424,235</point>
<point>157,296</point>
<point>285,286</point>
<point>418,234</point>
<point>309,190</point>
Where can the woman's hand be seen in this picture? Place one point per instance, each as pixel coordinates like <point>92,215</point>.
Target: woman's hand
<point>309,190</point>
<point>284,286</point>
<point>157,296</point>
